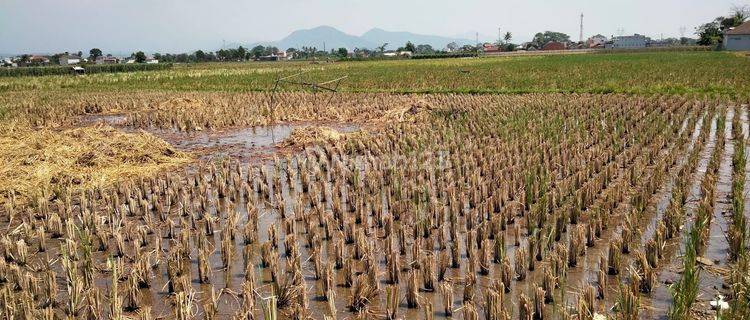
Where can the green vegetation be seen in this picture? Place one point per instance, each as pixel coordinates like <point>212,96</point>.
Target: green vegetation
<point>638,73</point>
<point>685,290</point>
<point>91,69</point>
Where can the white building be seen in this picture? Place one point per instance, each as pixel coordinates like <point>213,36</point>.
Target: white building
<point>8,62</point>
<point>107,60</point>
<point>635,41</point>
<point>596,41</point>
<point>70,60</point>
<point>738,39</point>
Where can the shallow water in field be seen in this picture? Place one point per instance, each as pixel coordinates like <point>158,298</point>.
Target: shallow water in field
<point>249,144</point>
<point>259,144</point>
<point>253,144</point>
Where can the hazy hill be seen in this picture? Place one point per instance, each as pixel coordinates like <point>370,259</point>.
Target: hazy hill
<point>334,38</point>
<point>397,39</point>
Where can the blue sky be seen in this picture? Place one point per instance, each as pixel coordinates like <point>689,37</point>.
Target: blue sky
<point>44,26</point>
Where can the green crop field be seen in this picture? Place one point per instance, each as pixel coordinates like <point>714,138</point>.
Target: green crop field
<point>639,73</point>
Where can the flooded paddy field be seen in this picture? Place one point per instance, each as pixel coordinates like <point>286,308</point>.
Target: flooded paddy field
<point>542,206</point>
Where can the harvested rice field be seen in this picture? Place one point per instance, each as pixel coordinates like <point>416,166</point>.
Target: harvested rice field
<point>210,204</point>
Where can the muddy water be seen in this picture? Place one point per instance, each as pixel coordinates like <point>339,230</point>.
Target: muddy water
<point>246,145</point>
<point>664,195</point>
<point>586,274</point>
<point>251,144</point>
<point>717,248</point>
<point>262,141</point>
<point>746,133</point>
<point>575,279</point>
<point>661,297</point>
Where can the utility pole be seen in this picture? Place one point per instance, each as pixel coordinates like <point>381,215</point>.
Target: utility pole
<point>477,38</point>
<point>581,34</point>
<point>499,35</point>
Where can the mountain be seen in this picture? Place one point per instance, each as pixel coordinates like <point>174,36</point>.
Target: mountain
<point>398,39</point>
<point>334,38</point>
<point>319,37</point>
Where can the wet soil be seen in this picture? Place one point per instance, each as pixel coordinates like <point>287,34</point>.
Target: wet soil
<point>259,145</point>
<point>248,145</point>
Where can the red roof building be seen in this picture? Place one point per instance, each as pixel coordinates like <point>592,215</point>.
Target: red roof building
<point>489,48</point>
<point>553,45</point>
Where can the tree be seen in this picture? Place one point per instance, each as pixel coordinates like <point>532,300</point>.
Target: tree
<point>140,57</point>
<point>424,49</point>
<point>687,41</point>
<point>271,50</point>
<point>709,34</point>
<point>712,33</point>
<point>740,14</point>
<point>200,56</point>
<point>381,49</point>
<point>342,52</point>
<point>508,36</point>
<point>451,46</point>
<point>292,52</point>
<point>362,52</point>
<point>540,39</point>
<point>469,48</point>
<point>80,54</point>
<point>94,53</point>
<point>257,51</point>
<point>410,47</point>
<point>240,53</point>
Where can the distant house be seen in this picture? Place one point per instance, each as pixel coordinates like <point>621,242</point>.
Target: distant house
<point>67,60</point>
<point>107,60</point>
<point>42,60</point>
<point>596,41</point>
<point>738,39</point>
<point>271,57</point>
<point>635,41</point>
<point>151,60</point>
<point>278,56</point>
<point>8,62</point>
<point>553,45</point>
<point>490,48</point>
